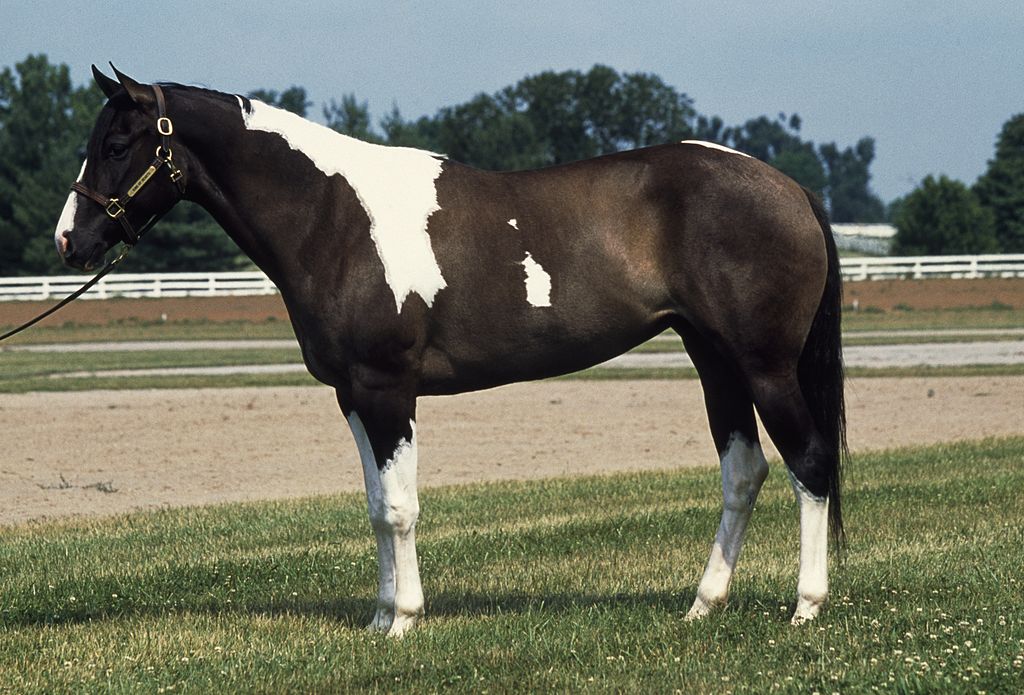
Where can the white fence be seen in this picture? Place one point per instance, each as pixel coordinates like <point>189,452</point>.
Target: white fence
<point>918,267</point>
<point>139,285</point>
<point>250,283</point>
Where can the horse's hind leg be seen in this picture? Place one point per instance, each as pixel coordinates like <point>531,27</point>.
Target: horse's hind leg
<point>789,423</point>
<point>744,469</point>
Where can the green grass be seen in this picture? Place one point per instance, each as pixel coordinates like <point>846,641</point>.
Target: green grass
<point>70,332</point>
<point>37,374</point>
<point>869,319</point>
<point>533,586</point>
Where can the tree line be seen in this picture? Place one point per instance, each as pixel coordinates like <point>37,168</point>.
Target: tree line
<point>945,216</point>
<point>544,119</point>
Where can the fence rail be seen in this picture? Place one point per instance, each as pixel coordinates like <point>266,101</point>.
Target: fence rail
<point>254,283</point>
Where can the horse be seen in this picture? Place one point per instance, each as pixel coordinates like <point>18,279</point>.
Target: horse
<point>405,273</point>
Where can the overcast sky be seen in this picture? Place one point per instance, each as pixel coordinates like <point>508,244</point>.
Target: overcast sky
<point>932,82</point>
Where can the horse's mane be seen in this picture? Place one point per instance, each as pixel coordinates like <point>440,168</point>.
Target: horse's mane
<point>232,99</point>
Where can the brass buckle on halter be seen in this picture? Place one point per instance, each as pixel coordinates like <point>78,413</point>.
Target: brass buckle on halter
<point>114,208</point>
<point>164,126</point>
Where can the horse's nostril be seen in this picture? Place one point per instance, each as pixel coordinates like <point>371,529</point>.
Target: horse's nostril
<point>64,245</point>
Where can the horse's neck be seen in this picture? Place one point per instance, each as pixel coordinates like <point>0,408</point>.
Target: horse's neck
<point>250,190</point>
<point>269,184</point>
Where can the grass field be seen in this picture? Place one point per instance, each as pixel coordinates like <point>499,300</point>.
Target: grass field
<point>533,586</point>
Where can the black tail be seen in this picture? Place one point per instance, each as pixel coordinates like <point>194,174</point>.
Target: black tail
<point>820,372</point>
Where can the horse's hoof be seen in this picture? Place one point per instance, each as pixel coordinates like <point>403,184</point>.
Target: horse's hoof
<point>382,621</point>
<point>701,609</point>
<point>806,609</point>
<point>402,624</point>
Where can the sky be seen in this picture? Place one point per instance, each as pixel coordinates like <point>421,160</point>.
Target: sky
<point>932,82</point>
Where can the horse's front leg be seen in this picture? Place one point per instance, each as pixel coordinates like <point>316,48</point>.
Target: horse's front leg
<point>383,424</point>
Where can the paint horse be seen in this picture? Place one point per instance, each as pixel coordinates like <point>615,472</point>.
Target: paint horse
<point>406,274</point>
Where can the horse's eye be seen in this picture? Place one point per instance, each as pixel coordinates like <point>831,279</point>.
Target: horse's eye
<point>117,150</point>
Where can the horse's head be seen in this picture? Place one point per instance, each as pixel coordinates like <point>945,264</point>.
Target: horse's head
<point>129,177</point>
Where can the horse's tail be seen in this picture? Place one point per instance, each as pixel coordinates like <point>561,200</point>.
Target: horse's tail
<point>820,372</point>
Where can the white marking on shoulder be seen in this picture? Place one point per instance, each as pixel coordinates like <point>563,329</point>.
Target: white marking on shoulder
<point>66,222</point>
<point>394,184</point>
<point>538,282</point>
<point>714,146</point>
<point>513,224</point>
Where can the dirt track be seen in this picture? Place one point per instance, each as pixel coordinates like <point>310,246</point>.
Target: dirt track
<point>171,448</point>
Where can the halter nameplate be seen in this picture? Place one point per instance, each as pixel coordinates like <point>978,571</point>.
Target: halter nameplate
<point>146,176</point>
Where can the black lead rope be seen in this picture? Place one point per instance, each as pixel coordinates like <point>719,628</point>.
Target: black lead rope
<point>71,297</point>
<point>87,286</point>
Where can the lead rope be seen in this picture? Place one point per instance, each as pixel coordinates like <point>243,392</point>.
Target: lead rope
<point>71,297</point>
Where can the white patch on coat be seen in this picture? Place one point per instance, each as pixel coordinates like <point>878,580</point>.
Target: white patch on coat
<point>744,470</point>
<point>538,282</point>
<point>812,585</point>
<point>513,224</point>
<point>66,222</point>
<point>394,184</point>
<point>714,146</point>
<point>393,505</point>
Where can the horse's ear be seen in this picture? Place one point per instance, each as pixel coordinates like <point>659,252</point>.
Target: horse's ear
<point>108,86</point>
<point>141,94</point>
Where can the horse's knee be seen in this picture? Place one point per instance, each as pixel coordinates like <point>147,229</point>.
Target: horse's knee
<point>395,518</point>
<point>744,470</point>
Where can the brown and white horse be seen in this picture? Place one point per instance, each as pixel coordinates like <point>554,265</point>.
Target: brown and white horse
<point>407,274</point>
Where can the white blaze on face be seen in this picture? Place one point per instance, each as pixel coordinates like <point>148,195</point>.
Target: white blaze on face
<point>67,216</point>
<point>394,184</point>
<point>714,146</point>
<point>538,282</point>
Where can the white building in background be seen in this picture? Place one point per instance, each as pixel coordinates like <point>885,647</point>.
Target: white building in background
<point>874,239</point>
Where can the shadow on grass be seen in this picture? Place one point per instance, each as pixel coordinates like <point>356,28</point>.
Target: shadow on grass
<point>355,612</point>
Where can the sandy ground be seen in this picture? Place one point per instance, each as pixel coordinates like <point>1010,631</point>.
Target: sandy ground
<point>105,452</point>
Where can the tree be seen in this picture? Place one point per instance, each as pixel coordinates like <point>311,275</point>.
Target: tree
<point>484,132</point>
<point>350,117</point>
<point>1001,187</point>
<point>848,191</point>
<point>292,99</point>
<point>44,126</point>
<point>186,240</point>
<point>777,142</point>
<point>943,216</point>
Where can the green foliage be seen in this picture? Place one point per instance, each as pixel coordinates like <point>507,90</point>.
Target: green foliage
<point>1001,188</point>
<point>350,117</point>
<point>189,240</point>
<point>943,216</point>
<point>778,142</point>
<point>292,99</point>
<point>850,198</point>
<point>44,126</point>
<point>544,119</point>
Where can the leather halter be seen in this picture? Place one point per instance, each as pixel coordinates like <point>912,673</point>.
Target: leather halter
<point>117,208</point>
